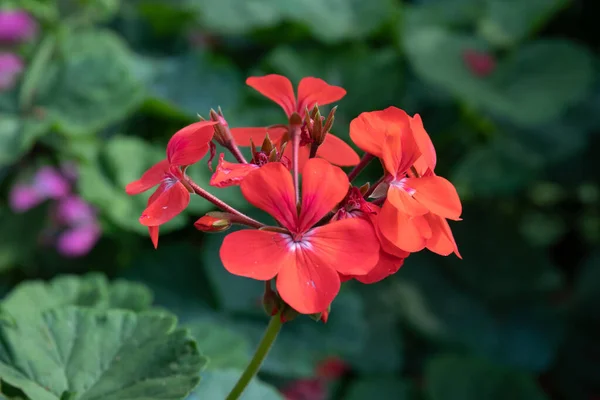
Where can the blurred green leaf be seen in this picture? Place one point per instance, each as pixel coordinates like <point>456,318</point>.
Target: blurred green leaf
<point>92,83</point>
<point>533,85</point>
<point>79,353</point>
<point>465,378</point>
<point>380,388</point>
<point>217,384</point>
<point>224,347</point>
<point>18,135</point>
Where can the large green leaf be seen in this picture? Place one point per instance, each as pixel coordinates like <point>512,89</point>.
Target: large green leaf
<point>18,135</point>
<point>464,378</point>
<point>224,347</point>
<point>534,85</point>
<point>380,388</point>
<point>217,384</point>
<point>84,354</point>
<point>91,84</point>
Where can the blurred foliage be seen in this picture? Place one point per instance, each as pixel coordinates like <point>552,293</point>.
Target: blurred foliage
<point>508,91</point>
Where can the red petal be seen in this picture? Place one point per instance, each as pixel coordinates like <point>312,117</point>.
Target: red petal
<point>271,189</point>
<point>442,241</point>
<point>423,142</point>
<point>306,284</point>
<point>256,254</point>
<point>369,129</point>
<point>190,144</point>
<point>407,233</point>
<point>437,194</point>
<point>400,152</point>
<point>277,88</point>
<point>386,245</point>
<point>153,232</point>
<point>337,152</point>
<point>303,154</point>
<point>386,266</point>
<point>323,187</point>
<point>349,246</point>
<point>230,174</point>
<point>313,91</point>
<point>152,177</point>
<point>171,201</point>
<point>404,202</point>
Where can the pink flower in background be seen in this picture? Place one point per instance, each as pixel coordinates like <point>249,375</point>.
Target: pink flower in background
<point>11,67</point>
<point>78,241</point>
<point>24,197</point>
<point>480,63</point>
<point>16,26</point>
<point>72,210</point>
<point>305,389</point>
<point>47,183</point>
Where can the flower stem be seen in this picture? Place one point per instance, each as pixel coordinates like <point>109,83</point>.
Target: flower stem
<point>259,356</point>
<point>295,136</point>
<point>243,218</point>
<point>364,161</point>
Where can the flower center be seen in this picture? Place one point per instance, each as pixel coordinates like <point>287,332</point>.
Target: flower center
<point>401,183</point>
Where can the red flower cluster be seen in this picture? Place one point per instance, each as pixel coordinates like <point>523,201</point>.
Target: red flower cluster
<point>327,231</point>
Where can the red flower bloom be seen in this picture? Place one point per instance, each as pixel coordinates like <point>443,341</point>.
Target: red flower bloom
<point>230,174</point>
<point>418,201</point>
<point>305,258</point>
<point>186,147</point>
<point>311,91</point>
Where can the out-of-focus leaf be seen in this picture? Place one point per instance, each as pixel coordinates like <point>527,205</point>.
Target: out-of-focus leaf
<point>91,84</point>
<point>224,347</point>
<point>102,182</point>
<point>534,85</point>
<point>525,336</point>
<point>465,378</point>
<point>17,136</point>
<point>217,384</point>
<point>80,353</point>
<point>380,388</point>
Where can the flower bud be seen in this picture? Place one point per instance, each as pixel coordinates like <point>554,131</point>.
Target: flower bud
<point>271,301</point>
<point>222,134</point>
<point>209,223</point>
<point>287,313</point>
<point>295,119</point>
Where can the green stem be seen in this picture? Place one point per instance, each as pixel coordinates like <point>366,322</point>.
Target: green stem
<point>259,356</point>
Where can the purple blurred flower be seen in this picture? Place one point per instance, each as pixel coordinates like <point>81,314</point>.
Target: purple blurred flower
<point>16,26</point>
<point>73,211</point>
<point>50,183</point>
<point>24,197</point>
<point>10,67</point>
<point>78,241</point>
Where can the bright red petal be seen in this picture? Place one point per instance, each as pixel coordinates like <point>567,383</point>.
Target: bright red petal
<point>400,152</point>
<point>307,285</point>
<point>323,187</point>
<point>404,202</point>
<point>171,201</point>
<point>338,152</point>
<point>313,91</point>
<point>349,246</point>
<point>230,174</point>
<point>437,194</point>
<point>242,136</point>
<point>152,177</point>
<point>153,232</point>
<point>405,232</point>
<point>369,129</point>
<point>277,88</point>
<point>386,245</point>
<point>442,241</point>
<point>271,189</point>
<point>423,142</point>
<point>386,266</point>
<point>190,144</point>
<point>303,155</point>
<point>256,254</point>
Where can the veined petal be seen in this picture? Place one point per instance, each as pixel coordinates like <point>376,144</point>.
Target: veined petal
<point>305,284</point>
<point>172,199</point>
<point>349,246</point>
<point>442,241</point>
<point>369,129</point>
<point>405,232</point>
<point>256,254</point>
<point>386,245</point>
<point>404,202</point>
<point>337,152</point>
<point>153,232</point>
<point>190,144</point>
<point>423,142</point>
<point>242,136</point>
<point>152,177</point>
<point>437,194</point>
<point>230,174</point>
<point>400,152</point>
<point>323,186</point>
<point>271,189</point>
<point>313,91</point>
<point>387,265</point>
<point>277,88</point>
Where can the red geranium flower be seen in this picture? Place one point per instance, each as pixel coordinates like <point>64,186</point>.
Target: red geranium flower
<point>186,147</point>
<point>311,91</point>
<point>305,258</point>
<point>418,201</point>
